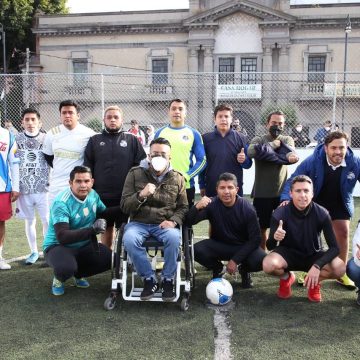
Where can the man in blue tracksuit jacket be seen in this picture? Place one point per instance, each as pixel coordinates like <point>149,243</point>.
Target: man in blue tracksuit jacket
<point>334,170</point>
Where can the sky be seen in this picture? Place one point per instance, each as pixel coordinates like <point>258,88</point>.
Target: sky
<point>81,6</point>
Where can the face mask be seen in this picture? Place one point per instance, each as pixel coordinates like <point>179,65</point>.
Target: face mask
<point>159,163</point>
<point>327,128</point>
<point>299,128</point>
<point>275,130</point>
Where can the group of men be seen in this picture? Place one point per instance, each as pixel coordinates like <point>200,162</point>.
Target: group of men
<point>112,178</point>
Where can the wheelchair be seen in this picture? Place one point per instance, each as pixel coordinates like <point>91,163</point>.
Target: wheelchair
<point>125,280</point>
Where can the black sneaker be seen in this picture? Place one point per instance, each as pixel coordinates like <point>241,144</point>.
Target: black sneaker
<point>358,297</point>
<point>246,281</point>
<point>150,288</point>
<point>219,273</point>
<point>168,293</point>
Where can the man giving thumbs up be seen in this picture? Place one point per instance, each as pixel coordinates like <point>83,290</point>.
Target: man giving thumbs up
<point>295,231</point>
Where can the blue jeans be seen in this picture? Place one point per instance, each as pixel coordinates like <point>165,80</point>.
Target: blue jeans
<point>134,236</point>
<point>353,272</point>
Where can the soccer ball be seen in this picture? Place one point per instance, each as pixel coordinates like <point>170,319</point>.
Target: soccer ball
<point>219,291</point>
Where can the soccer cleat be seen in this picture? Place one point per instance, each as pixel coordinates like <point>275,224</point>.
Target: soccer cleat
<point>346,282</point>
<point>301,278</point>
<point>150,288</point>
<point>4,265</point>
<point>246,280</point>
<point>314,293</point>
<point>284,291</point>
<point>358,297</point>
<point>58,287</point>
<point>81,283</point>
<point>32,258</point>
<point>167,288</point>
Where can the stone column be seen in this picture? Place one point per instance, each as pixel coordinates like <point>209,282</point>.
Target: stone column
<point>267,58</point>
<point>208,59</point>
<point>267,77</point>
<point>206,90</point>
<point>192,85</point>
<point>283,80</point>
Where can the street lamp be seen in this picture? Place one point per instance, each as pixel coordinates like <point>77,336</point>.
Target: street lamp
<point>2,36</point>
<point>347,31</point>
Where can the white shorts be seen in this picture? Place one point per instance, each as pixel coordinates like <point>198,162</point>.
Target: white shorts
<point>27,203</point>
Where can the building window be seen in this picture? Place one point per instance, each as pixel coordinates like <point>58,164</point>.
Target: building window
<point>248,70</point>
<point>226,70</point>
<point>160,69</point>
<point>316,64</point>
<point>80,69</point>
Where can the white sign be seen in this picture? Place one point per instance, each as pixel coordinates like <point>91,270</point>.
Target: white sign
<point>351,90</point>
<point>239,91</point>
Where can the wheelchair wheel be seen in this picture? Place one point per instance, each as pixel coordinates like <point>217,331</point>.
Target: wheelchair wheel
<point>184,304</point>
<point>110,303</point>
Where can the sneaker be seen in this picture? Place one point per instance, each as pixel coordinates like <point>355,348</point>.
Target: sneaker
<point>81,283</point>
<point>246,280</point>
<point>150,288</point>
<point>314,294</point>
<point>358,297</point>
<point>346,282</point>
<point>167,288</point>
<point>32,258</point>
<point>301,278</point>
<point>284,291</point>
<point>58,287</point>
<point>219,273</point>
<point>4,265</point>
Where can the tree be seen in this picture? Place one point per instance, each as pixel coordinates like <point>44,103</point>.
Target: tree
<point>17,17</point>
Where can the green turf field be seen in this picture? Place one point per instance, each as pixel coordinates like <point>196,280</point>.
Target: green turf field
<point>36,325</point>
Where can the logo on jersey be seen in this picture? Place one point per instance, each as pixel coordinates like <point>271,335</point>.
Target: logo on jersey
<point>3,146</point>
<point>102,143</point>
<point>86,211</point>
<point>185,138</point>
<point>351,175</point>
<point>31,156</point>
<point>123,143</point>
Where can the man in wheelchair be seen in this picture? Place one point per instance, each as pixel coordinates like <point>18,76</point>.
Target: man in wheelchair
<point>154,196</point>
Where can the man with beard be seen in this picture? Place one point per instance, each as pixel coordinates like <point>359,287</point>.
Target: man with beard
<point>110,155</point>
<point>334,170</point>
<point>272,153</point>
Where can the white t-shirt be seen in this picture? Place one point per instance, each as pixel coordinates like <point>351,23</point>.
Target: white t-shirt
<point>67,147</point>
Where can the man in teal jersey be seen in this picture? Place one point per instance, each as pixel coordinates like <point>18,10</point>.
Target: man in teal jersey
<point>186,143</point>
<point>70,245</point>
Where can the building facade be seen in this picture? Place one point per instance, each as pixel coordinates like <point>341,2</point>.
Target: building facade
<point>286,47</point>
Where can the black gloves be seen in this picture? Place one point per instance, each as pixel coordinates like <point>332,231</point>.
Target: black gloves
<point>99,226</point>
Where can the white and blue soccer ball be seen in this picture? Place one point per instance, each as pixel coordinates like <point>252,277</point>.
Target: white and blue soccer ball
<point>219,291</point>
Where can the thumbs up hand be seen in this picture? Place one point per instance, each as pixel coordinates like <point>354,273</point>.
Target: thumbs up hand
<point>280,232</point>
<point>241,156</point>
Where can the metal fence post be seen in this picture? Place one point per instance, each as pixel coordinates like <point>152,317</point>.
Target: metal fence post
<point>334,101</point>
<point>102,96</point>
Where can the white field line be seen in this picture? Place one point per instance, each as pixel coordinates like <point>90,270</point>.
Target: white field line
<point>222,333</point>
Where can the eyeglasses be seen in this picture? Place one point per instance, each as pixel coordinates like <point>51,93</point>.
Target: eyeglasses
<point>156,154</point>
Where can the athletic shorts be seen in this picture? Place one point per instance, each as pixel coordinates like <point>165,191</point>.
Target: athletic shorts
<point>5,206</point>
<point>339,214</point>
<point>264,208</point>
<point>118,217</point>
<point>296,260</point>
<point>27,203</point>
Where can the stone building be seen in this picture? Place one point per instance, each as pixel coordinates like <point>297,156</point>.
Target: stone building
<point>277,44</point>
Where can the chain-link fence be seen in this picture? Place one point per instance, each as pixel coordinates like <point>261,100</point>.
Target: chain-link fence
<point>306,98</point>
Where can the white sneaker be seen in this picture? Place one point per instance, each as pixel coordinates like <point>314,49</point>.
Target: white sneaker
<point>4,265</point>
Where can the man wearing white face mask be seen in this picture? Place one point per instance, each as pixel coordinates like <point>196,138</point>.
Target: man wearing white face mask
<point>154,196</point>
<point>322,132</point>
